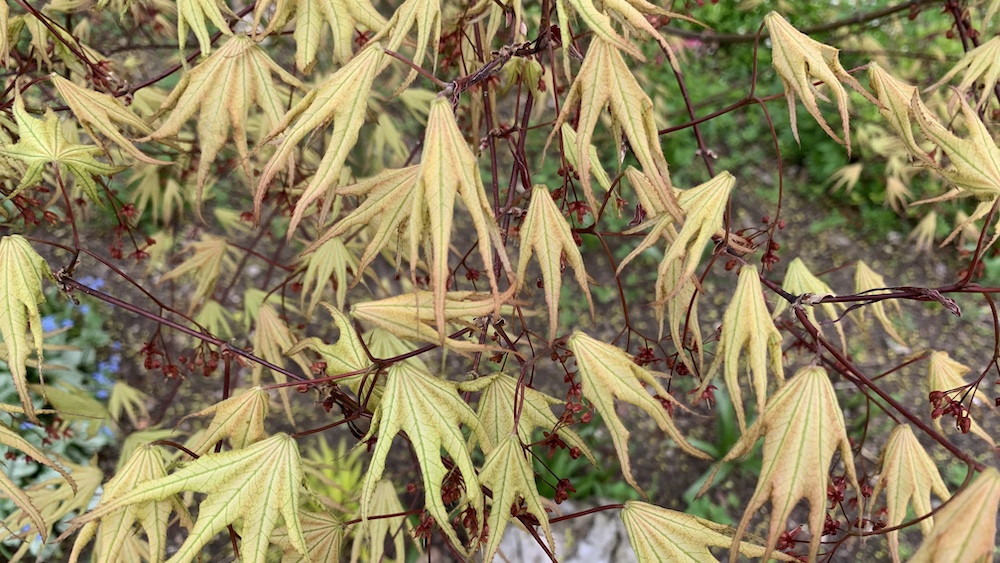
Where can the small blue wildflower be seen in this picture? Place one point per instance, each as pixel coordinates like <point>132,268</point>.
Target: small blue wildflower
<point>101,394</point>
<point>92,282</point>
<point>115,362</point>
<point>102,379</point>
<point>25,528</point>
<point>84,309</point>
<point>107,431</point>
<point>116,345</point>
<point>66,323</point>
<point>26,425</point>
<point>48,323</point>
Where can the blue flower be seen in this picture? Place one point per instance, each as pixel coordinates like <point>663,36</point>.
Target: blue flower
<point>66,323</point>
<point>84,309</point>
<point>92,282</point>
<point>116,345</point>
<point>101,394</point>
<point>102,379</point>
<point>48,323</point>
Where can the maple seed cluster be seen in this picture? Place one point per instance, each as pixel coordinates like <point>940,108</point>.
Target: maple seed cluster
<point>943,404</point>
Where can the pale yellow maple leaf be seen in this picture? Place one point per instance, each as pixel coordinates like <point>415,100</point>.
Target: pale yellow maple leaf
<point>273,341</point>
<point>845,177</point>
<point>412,315</point>
<point>803,427</point>
<point>572,157</point>
<point>598,22</point>
<point>194,13</point>
<point>431,412</point>
<point>865,281</point>
<point>115,530</point>
<point>703,207</point>
<point>605,80</point>
<point>234,481</point>
<point>341,98</point>
<point>608,373</point>
<point>980,64</point>
<point>975,160</point>
<point>908,476</point>
<point>508,473</point>
<point>659,534</point>
<point>384,501</point>
<point>16,494</point>
<point>239,419</point>
<point>800,281</point>
<point>655,201</point>
<point>324,534</point>
<point>426,16</point>
<point>221,89</point>
<point>947,375</point>
<point>965,529</point>
<point>798,60</point>
<point>342,16</point>
<point>129,402</point>
<point>498,399</point>
<point>895,104</point>
<point>100,111</point>
<point>56,498</point>
<point>923,234</point>
<point>680,299</point>
<point>21,273</point>
<point>546,235</point>
<point>747,325</point>
<point>211,255</point>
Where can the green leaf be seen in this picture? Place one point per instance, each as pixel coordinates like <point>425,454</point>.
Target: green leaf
<point>431,412</point>
<point>21,272</point>
<point>608,373</point>
<point>253,486</point>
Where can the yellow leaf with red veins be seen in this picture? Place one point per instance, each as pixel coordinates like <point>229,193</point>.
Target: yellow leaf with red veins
<point>608,373</point>
<point>803,427</point>
<point>100,111</point>
<point>432,414</point>
<point>194,13</point>
<point>908,476</point>
<point>981,64</point>
<point>975,160</point>
<point>252,488</point>
<point>508,473</point>
<point>865,281</point>
<point>658,534</point>
<point>605,80</point>
<point>966,528</point>
<point>948,376</point>
<point>747,325</point>
<point>239,419</point>
<point>799,60</point>
<point>546,234</point>
<point>703,207</point>
<point>21,272</point>
<point>341,98</point>
<point>221,90</point>
<point>342,16</point>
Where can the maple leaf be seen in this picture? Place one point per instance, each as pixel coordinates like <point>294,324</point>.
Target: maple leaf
<point>57,497</point>
<point>798,60</point>
<point>387,205</point>
<point>16,494</point>
<point>221,90</point>
<point>431,412</point>
<point>594,164</point>
<point>508,474</point>
<point>345,355</point>
<point>412,315</point>
<point>895,98</point>
<point>273,341</point>
<point>654,201</point>
<point>343,17</point>
<point>324,534</point>
<point>965,529</point>
<point>97,110</point>
<point>605,80</point>
<point>426,16</point>
<point>747,325</point>
<point>384,501</point>
<point>41,142</point>
<point>211,255</point>
<point>680,298</point>
<point>800,281</point>
<point>608,373</point>
<point>341,98</point>
<point>865,281</point>
<point>923,234</point>
<point>945,374</point>
<point>658,534</point>
<point>330,261</point>
<point>598,22</point>
<point>21,272</point>
<point>253,486</point>
<point>975,161</point>
<point>240,419</point>
<point>802,427</point>
<point>497,403</point>
<point>194,13</point>
<point>130,402</point>
<point>981,63</point>
<point>113,531</point>
<point>703,206</point>
<point>546,234</point>
<point>908,476</point>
